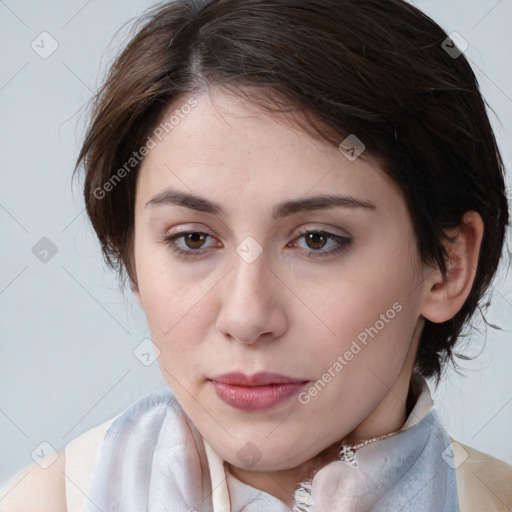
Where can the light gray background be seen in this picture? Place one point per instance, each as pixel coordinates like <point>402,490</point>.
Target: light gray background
<point>67,331</point>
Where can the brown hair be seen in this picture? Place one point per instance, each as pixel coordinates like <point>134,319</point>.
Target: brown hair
<point>374,68</point>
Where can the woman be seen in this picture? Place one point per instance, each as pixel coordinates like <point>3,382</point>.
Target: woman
<point>308,203</point>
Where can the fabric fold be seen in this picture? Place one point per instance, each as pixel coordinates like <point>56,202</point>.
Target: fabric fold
<point>403,472</point>
<point>150,461</point>
<point>153,459</point>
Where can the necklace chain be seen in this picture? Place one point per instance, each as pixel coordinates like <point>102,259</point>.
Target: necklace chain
<point>346,453</point>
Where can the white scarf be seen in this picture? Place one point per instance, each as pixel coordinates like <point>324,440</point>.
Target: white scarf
<point>153,459</point>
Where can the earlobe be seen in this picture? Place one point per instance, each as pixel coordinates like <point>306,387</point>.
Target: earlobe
<point>447,294</point>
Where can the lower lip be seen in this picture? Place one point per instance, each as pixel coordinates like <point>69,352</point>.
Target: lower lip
<point>256,398</point>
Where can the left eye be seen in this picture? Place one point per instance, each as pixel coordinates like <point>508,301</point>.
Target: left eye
<point>318,240</point>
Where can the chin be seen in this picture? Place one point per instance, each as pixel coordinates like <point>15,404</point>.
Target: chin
<point>262,455</point>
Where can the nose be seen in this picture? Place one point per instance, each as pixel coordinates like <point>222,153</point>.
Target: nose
<point>253,304</point>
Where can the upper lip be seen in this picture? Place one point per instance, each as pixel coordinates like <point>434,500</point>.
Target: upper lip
<point>258,379</point>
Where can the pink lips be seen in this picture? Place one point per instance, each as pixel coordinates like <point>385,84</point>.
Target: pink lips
<point>257,392</point>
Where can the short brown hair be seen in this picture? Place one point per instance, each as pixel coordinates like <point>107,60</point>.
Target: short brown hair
<point>374,68</point>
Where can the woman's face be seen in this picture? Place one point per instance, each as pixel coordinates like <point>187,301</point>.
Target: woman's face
<point>289,316</point>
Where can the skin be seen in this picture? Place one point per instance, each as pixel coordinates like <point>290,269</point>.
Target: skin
<point>288,311</point>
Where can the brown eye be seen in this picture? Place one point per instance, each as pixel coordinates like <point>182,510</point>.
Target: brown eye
<point>195,240</point>
<point>321,244</point>
<point>189,243</point>
<point>316,240</point>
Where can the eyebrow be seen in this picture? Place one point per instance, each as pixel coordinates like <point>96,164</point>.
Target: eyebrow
<point>170,197</point>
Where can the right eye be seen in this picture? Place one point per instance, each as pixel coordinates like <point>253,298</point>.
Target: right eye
<point>188,243</point>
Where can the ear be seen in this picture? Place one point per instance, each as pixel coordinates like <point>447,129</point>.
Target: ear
<point>447,294</point>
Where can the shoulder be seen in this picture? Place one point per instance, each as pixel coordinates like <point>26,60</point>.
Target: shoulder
<point>140,421</point>
<point>81,456</point>
<point>484,483</point>
<point>37,488</point>
<point>60,485</point>
<point>55,485</point>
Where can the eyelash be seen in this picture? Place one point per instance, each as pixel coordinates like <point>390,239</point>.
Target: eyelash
<point>343,243</point>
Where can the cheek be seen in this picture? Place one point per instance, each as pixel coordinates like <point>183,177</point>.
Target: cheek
<point>371,315</point>
<point>178,324</point>
<point>353,304</point>
<point>356,372</point>
<point>175,305</point>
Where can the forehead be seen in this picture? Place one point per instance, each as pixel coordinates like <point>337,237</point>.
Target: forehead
<point>227,146</point>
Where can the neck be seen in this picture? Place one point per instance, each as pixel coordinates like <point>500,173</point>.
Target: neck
<point>387,417</point>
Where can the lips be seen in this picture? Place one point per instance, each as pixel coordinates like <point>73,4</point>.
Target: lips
<point>256,392</point>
